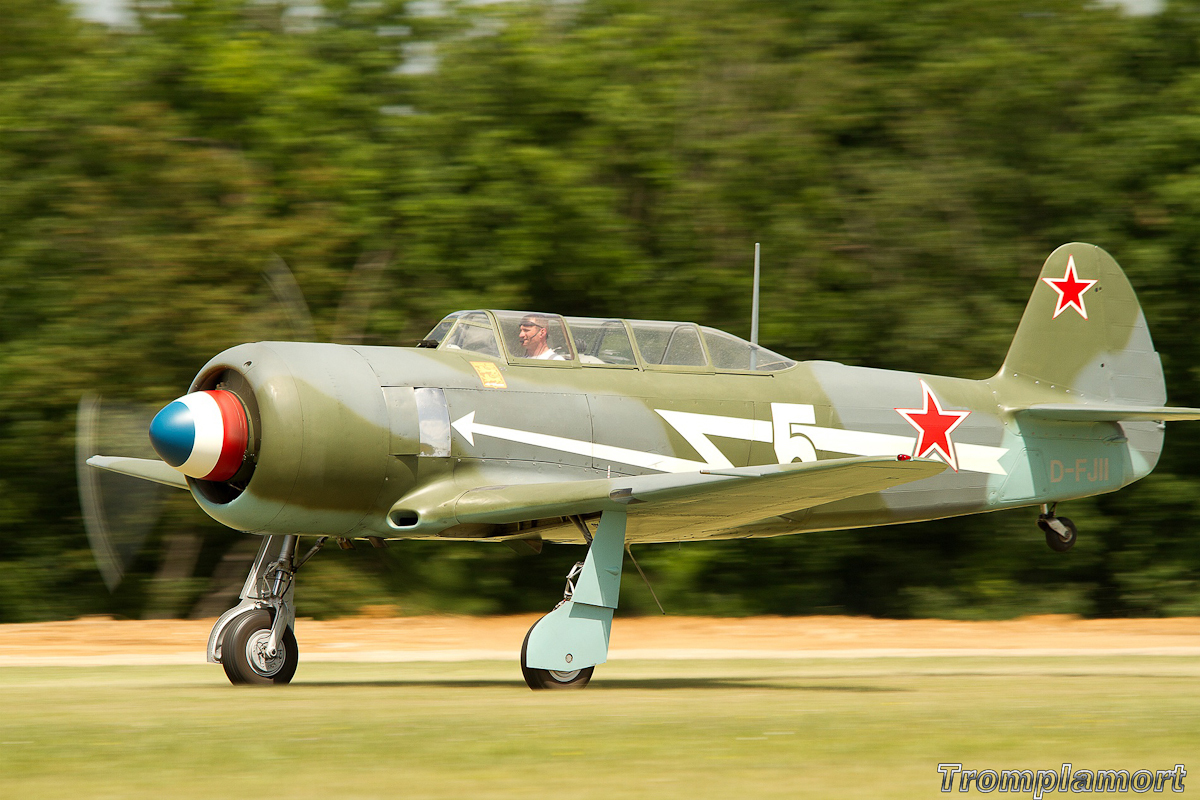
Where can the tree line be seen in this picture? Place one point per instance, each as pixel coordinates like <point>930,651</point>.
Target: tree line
<point>907,169</point>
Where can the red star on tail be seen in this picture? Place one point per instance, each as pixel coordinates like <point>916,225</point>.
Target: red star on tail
<point>1070,290</point>
<point>934,426</point>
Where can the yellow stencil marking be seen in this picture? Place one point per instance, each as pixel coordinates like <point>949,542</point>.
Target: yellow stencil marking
<point>489,375</point>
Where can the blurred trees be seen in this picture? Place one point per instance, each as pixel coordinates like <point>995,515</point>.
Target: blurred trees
<point>907,169</point>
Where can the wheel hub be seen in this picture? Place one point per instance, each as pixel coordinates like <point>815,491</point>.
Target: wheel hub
<point>563,676</point>
<point>257,655</point>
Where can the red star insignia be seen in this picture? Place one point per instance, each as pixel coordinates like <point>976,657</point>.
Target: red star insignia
<point>935,426</point>
<point>1070,290</point>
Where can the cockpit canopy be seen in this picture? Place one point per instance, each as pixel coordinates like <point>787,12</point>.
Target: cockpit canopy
<point>521,337</point>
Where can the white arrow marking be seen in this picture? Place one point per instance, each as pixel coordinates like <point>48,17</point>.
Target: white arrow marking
<point>468,427</point>
<point>971,457</point>
<point>696,428</point>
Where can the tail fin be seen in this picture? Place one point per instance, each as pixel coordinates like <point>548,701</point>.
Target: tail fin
<point>1084,331</point>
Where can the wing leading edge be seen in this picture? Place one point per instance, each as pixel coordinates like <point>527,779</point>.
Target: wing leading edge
<point>661,507</point>
<point>686,505</point>
<point>148,469</point>
<point>1108,413</point>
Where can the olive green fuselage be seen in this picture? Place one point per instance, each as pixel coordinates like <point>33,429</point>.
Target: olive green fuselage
<point>381,442</point>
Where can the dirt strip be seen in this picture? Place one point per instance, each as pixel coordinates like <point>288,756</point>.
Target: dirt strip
<point>98,640</point>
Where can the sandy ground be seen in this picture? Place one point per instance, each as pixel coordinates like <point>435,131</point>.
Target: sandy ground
<point>103,641</point>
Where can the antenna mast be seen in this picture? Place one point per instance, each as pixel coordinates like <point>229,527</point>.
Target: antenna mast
<point>754,313</point>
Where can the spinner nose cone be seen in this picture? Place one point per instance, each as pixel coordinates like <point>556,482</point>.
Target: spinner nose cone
<point>203,434</point>
<point>173,433</point>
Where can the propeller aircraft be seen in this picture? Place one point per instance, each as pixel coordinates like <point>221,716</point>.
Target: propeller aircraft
<point>530,427</point>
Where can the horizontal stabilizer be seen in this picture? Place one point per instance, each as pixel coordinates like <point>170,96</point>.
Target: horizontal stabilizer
<point>148,469</point>
<point>1109,413</point>
<point>674,505</point>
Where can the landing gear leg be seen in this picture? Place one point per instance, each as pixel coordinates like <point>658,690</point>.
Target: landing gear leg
<point>1060,531</point>
<point>562,649</point>
<point>254,641</point>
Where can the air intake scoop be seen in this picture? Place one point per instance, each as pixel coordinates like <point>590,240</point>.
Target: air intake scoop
<point>203,434</point>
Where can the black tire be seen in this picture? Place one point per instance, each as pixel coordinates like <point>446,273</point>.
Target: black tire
<point>1056,542</point>
<point>538,679</point>
<point>242,653</point>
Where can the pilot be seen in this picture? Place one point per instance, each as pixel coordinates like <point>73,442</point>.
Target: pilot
<point>533,338</point>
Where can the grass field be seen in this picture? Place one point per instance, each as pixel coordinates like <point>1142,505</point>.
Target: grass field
<point>867,728</point>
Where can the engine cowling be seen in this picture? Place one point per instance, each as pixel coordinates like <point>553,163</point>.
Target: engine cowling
<point>281,437</point>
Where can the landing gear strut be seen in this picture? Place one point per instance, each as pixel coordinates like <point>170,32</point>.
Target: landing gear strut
<point>254,641</point>
<point>1060,531</point>
<point>563,648</point>
<point>556,678</point>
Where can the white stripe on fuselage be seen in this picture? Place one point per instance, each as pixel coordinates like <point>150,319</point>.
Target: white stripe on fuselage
<point>697,428</point>
<point>788,423</point>
<point>971,457</point>
<point>468,427</point>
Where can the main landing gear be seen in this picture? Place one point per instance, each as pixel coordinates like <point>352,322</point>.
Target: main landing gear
<point>1060,531</point>
<point>254,640</point>
<point>563,648</point>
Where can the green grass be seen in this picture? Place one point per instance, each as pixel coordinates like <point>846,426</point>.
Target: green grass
<point>721,729</point>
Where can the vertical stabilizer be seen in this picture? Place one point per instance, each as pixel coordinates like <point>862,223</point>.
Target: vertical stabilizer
<point>1084,330</point>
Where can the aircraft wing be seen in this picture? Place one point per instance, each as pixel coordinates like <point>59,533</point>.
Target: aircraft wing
<point>1109,413</point>
<point>668,505</point>
<point>148,469</point>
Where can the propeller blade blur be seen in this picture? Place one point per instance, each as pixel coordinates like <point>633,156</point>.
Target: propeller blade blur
<point>119,511</point>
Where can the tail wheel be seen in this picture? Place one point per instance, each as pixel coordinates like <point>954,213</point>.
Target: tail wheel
<point>244,652</point>
<point>537,679</point>
<point>1059,541</point>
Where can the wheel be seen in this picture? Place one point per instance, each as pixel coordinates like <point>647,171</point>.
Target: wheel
<point>1058,543</point>
<point>244,651</point>
<point>551,678</point>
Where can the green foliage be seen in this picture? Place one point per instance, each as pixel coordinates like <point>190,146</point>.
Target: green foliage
<point>906,170</point>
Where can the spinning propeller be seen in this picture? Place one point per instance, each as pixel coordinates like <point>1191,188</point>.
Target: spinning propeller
<point>204,434</point>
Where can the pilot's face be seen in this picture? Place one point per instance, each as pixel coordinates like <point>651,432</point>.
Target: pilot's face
<point>533,338</point>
